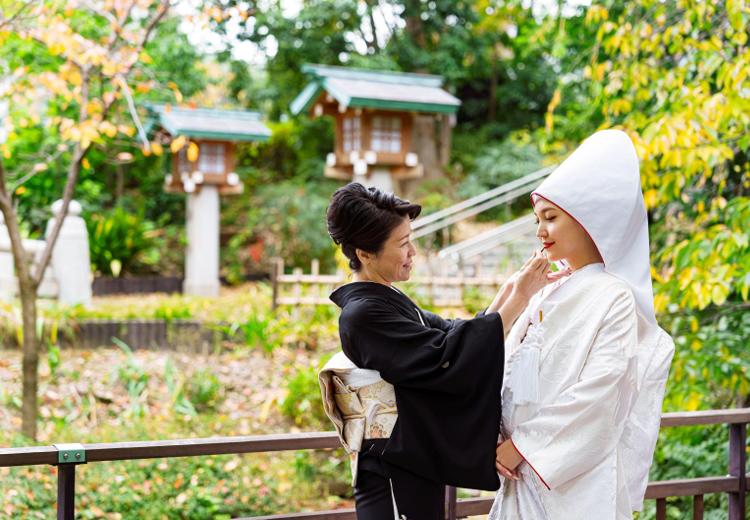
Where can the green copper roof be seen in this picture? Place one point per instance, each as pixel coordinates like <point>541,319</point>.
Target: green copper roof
<point>375,89</point>
<point>203,123</point>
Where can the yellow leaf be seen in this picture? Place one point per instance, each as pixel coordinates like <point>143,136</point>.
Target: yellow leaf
<point>20,190</point>
<point>660,302</point>
<point>127,130</point>
<point>693,402</point>
<point>193,152</point>
<point>157,149</point>
<point>177,144</point>
<point>86,164</point>
<point>108,129</point>
<point>651,198</point>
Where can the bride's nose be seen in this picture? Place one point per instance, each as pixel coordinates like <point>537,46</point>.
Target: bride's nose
<point>540,231</point>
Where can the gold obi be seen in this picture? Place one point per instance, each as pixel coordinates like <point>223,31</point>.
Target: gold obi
<point>357,412</point>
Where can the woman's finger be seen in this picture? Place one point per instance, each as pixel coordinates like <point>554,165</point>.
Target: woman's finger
<point>540,263</point>
<point>503,471</point>
<point>559,274</point>
<point>528,261</point>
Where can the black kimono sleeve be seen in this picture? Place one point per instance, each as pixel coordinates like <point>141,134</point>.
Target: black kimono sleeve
<point>447,381</point>
<point>437,322</point>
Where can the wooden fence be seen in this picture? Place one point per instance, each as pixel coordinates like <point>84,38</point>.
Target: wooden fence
<point>440,290</point>
<point>105,285</point>
<point>67,456</point>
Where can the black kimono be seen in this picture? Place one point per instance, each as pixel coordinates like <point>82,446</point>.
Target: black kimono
<point>447,376</point>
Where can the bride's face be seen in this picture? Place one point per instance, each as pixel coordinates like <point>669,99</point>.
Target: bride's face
<point>562,237</point>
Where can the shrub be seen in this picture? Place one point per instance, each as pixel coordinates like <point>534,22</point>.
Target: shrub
<point>121,242</point>
<point>303,403</point>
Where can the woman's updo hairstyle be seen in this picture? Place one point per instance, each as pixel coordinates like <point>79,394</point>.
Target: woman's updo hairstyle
<point>363,218</point>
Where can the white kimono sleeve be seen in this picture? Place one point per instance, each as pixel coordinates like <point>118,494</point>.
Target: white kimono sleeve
<point>583,424</point>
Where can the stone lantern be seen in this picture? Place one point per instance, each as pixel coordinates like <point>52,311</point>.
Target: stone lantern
<point>391,128</point>
<point>203,169</point>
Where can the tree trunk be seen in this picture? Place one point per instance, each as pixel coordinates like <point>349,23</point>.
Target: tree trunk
<point>27,288</point>
<point>414,26</point>
<point>30,363</point>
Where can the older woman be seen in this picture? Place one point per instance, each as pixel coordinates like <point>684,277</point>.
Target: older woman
<point>587,362</point>
<point>414,397</point>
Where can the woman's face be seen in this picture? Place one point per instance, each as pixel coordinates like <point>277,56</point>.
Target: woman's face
<point>562,237</point>
<point>394,262</point>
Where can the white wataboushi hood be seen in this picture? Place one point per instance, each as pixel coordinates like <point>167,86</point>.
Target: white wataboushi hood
<point>599,185</point>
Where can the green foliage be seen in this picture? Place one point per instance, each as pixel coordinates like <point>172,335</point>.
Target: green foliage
<point>121,242</point>
<point>293,223</point>
<point>317,34</point>
<point>37,154</point>
<point>327,473</point>
<point>53,358</point>
<point>171,311</point>
<point>134,377</point>
<point>499,163</point>
<point>220,487</point>
<point>204,390</point>
<point>303,403</point>
<point>677,88</point>
<point>711,365</point>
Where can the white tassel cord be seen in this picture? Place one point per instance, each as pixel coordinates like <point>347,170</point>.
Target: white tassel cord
<point>524,375</point>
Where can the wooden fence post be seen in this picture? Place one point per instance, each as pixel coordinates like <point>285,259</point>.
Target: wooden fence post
<point>277,269</point>
<point>738,469</point>
<point>450,502</point>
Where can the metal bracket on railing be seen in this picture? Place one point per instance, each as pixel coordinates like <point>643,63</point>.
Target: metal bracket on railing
<point>68,457</point>
<point>73,453</point>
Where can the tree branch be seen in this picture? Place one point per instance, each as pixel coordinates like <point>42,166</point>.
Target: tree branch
<point>11,223</point>
<point>131,107</point>
<point>12,18</point>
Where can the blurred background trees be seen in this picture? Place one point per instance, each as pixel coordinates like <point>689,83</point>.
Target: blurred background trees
<point>534,78</point>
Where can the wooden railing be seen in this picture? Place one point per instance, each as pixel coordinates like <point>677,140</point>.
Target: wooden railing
<point>67,457</point>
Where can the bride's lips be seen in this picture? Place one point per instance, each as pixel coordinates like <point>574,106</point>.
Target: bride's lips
<point>547,245</point>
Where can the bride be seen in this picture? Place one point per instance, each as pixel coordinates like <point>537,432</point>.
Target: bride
<point>586,361</point>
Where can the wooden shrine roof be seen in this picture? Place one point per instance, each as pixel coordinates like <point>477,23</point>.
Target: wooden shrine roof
<point>375,89</point>
<point>204,123</point>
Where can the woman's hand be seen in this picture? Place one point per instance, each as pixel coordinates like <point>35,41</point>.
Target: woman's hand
<point>532,277</point>
<point>553,277</point>
<point>505,461</point>
<point>526,283</point>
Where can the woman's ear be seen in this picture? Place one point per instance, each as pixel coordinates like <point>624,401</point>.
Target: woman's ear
<point>364,257</point>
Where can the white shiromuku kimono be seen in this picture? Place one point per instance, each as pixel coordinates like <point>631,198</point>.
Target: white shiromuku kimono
<point>586,363</point>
